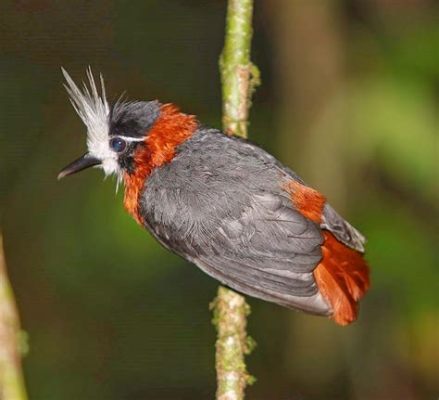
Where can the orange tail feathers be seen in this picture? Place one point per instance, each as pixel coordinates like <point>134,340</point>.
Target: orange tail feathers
<point>343,278</point>
<point>343,275</point>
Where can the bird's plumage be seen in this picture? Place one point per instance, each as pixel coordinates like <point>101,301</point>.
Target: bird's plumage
<point>227,206</point>
<point>222,203</point>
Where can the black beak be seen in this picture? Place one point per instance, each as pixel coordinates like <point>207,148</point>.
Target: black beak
<point>83,162</point>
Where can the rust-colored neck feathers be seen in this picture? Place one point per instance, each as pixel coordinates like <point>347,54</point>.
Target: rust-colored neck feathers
<point>170,130</point>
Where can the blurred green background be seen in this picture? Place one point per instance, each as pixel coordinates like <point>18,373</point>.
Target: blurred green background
<point>349,100</point>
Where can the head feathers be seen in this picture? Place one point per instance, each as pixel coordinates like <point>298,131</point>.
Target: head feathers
<point>92,107</point>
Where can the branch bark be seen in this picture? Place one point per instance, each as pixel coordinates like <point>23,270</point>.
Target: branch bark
<point>11,376</point>
<point>239,77</point>
<point>230,311</point>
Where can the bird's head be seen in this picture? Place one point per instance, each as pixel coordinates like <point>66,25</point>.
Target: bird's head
<point>128,138</point>
<point>114,132</point>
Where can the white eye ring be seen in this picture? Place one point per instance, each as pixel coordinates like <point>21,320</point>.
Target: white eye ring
<point>119,143</point>
<point>130,138</point>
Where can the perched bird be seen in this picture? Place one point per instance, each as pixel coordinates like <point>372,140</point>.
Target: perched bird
<point>224,204</point>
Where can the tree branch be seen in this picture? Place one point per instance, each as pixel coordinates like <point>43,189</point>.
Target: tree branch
<point>239,77</point>
<point>11,376</point>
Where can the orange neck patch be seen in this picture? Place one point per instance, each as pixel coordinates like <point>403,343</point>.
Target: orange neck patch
<point>170,130</point>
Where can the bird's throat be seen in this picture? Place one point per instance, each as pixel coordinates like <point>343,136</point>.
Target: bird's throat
<point>170,130</point>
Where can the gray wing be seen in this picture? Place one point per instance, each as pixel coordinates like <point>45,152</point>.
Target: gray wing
<point>333,222</point>
<point>220,204</point>
<point>342,230</point>
<point>269,251</point>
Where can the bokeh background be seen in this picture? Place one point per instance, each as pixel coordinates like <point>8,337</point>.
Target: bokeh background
<point>349,100</point>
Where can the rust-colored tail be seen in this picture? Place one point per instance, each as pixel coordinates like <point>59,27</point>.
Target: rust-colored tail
<point>343,278</point>
<point>343,275</point>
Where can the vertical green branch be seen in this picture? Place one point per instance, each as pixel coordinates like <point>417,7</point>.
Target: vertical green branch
<point>238,77</point>
<point>11,377</point>
<point>230,311</point>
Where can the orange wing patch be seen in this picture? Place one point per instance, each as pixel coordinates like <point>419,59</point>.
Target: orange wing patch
<point>308,201</point>
<point>343,275</point>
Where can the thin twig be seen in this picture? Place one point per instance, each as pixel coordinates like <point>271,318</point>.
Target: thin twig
<point>239,78</point>
<point>11,377</point>
<point>230,318</point>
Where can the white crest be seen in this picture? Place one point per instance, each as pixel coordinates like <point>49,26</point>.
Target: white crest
<point>92,107</point>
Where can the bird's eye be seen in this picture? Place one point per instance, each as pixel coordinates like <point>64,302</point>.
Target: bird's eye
<point>118,145</point>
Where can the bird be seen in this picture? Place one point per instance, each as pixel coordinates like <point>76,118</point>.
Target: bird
<point>223,204</point>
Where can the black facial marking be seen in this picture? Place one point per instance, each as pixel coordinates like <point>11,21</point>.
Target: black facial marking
<point>133,119</point>
<point>126,160</point>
